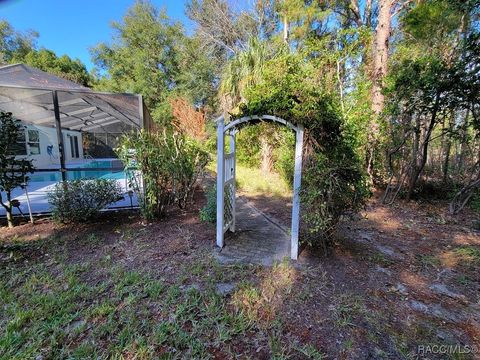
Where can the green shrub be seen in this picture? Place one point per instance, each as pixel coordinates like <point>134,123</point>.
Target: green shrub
<point>170,164</point>
<point>209,212</point>
<point>248,146</point>
<point>81,200</point>
<point>475,201</point>
<point>333,185</point>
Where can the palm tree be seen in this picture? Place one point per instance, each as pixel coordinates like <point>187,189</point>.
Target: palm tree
<point>243,71</point>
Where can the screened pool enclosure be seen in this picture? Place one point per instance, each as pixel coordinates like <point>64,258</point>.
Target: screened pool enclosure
<point>70,132</point>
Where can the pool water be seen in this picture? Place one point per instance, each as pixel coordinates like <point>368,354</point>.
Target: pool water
<point>55,176</point>
<point>72,174</point>
<point>100,164</point>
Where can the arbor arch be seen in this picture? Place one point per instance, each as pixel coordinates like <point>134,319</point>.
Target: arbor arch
<point>226,168</point>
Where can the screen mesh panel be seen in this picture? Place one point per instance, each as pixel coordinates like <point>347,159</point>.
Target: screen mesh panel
<point>69,131</point>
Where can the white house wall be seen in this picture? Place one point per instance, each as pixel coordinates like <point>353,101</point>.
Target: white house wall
<point>48,136</point>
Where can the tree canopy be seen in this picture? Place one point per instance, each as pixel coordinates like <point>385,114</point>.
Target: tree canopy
<point>18,47</point>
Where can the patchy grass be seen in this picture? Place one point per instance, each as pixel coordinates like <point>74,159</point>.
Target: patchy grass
<point>461,256</point>
<point>124,289</point>
<point>56,312</point>
<point>347,308</point>
<point>254,182</point>
<point>261,304</point>
<point>66,299</point>
<point>428,261</point>
<point>380,259</point>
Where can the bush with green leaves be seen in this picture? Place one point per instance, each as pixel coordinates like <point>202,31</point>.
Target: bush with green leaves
<point>209,212</point>
<point>170,164</point>
<point>81,200</point>
<point>333,185</point>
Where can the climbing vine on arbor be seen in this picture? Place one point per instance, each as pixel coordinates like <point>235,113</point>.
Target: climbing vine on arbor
<point>333,180</point>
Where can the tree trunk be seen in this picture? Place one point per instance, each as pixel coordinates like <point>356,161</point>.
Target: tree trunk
<point>379,60</point>
<point>10,219</point>
<point>285,29</point>
<point>380,55</point>
<point>266,154</point>
<point>463,144</point>
<point>418,168</point>
<point>415,150</point>
<point>446,161</point>
<point>441,152</point>
<point>446,148</point>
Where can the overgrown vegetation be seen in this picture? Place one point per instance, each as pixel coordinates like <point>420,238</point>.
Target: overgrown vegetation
<point>81,200</point>
<point>334,182</point>
<point>170,164</point>
<point>117,288</point>
<point>388,92</point>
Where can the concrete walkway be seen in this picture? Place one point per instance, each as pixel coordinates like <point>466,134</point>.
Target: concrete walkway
<point>257,238</point>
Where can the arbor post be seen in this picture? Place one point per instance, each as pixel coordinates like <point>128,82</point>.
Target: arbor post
<point>220,179</point>
<point>234,166</point>
<point>297,180</point>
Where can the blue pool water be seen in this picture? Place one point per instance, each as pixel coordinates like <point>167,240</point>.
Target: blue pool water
<point>76,174</point>
<point>98,164</point>
<point>73,174</point>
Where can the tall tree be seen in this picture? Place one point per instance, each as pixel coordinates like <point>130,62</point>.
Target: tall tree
<point>380,55</point>
<point>151,55</point>
<point>429,82</point>
<point>63,66</point>
<point>15,45</point>
<point>143,56</point>
<point>18,47</point>
<point>223,30</point>
<point>243,71</point>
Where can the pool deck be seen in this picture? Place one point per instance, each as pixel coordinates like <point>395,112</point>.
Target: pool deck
<point>38,192</point>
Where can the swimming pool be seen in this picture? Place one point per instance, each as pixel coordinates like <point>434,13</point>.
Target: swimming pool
<point>55,176</point>
<point>72,174</point>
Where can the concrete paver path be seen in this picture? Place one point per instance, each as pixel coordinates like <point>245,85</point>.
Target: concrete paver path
<point>257,238</point>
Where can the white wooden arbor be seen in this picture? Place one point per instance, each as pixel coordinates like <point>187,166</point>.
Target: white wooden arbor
<point>226,167</point>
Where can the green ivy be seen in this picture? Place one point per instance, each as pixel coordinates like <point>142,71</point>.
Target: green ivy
<point>209,212</point>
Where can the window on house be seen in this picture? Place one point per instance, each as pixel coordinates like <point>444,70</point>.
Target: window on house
<point>20,147</point>
<point>33,142</point>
